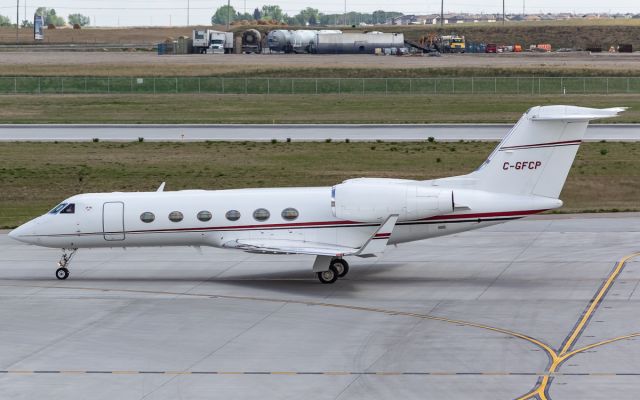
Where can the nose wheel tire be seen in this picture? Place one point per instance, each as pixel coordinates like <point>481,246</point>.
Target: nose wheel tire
<point>62,273</point>
<point>328,276</point>
<point>341,266</point>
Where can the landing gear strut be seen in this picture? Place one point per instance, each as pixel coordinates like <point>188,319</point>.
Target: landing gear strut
<point>338,268</point>
<point>62,273</point>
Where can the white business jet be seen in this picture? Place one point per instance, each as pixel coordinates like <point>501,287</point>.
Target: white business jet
<point>358,217</point>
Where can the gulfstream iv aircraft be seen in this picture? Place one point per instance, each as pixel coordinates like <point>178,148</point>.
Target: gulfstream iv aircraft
<point>358,217</point>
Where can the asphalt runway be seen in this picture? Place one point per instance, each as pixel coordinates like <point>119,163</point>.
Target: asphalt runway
<point>451,132</point>
<point>543,307</point>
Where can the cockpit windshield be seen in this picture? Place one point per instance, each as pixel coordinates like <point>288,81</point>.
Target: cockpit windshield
<point>69,209</point>
<point>57,208</point>
<point>64,208</point>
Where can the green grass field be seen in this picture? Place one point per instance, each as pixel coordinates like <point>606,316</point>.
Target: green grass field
<point>35,176</point>
<point>345,108</point>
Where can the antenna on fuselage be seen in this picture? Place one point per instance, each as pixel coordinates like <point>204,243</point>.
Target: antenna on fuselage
<point>161,187</point>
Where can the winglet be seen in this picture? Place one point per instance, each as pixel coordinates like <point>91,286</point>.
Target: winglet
<point>161,187</point>
<point>378,241</point>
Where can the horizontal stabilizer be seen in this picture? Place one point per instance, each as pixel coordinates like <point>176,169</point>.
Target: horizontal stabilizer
<point>572,113</point>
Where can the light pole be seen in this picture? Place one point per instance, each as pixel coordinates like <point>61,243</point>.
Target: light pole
<point>228,13</point>
<point>17,20</point>
<point>441,12</point>
<point>502,12</point>
<point>188,12</point>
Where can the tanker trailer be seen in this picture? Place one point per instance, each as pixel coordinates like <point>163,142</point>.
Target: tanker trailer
<point>251,41</point>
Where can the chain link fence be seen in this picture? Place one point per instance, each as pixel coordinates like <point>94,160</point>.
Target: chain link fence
<point>475,85</point>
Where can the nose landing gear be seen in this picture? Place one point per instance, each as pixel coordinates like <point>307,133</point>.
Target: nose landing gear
<point>62,273</point>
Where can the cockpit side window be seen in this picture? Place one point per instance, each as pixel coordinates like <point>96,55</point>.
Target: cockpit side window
<point>57,208</point>
<point>69,209</point>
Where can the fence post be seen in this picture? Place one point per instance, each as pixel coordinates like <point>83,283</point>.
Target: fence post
<point>386,86</point>
<point>607,85</point>
<point>245,85</point>
<point>316,85</point>
<point>199,84</point>
<point>154,85</point>
<point>363,86</point>
<point>62,85</point>
<point>410,86</point>
<point>108,85</point>
<point>627,85</point>
<point>268,86</point>
<point>15,84</point>
<point>176,84</point>
<point>222,79</point>
<point>495,84</point>
<point>453,85</point>
<point>562,85</point>
<point>39,88</point>
<point>472,86</point>
<point>539,91</point>
<point>584,85</point>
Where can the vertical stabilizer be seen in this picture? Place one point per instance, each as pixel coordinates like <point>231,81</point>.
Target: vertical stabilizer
<point>536,155</point>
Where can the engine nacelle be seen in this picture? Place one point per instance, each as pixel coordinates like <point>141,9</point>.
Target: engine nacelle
<point>374,201</point>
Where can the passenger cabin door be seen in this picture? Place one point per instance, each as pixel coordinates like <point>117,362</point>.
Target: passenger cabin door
<point>113,221</point>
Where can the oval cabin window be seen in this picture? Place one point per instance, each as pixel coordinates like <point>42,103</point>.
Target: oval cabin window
<point>233,215</point>
<point>204,216</point>
<point>175,216</point>
<point>147,217</point>
<point>261,214</point>
<point>290,214</point>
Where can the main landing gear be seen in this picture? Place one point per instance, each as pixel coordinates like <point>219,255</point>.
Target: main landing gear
<point>62,273</point>
<point>338,268</point>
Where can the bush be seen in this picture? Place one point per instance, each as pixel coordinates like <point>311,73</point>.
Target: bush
<point>604,152</point>
<point>431,139</point>
<point>140,139</point>
<point>274,141</point>
<point>96,140</point>
<point>438,160</point>
<point>288,140</point>
<point>327,140</point>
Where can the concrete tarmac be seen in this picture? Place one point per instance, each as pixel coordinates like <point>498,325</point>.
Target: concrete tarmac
<point>296,132</point>
<point>546,306</point>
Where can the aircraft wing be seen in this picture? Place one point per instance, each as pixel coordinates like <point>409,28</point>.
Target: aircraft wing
<point>284,246</point>
<point>375,244</point>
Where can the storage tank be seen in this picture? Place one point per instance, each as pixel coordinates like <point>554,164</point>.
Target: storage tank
<point>251,41</point>
<point>278,40</point>
<point>299,41</point>
<point>357,43</point>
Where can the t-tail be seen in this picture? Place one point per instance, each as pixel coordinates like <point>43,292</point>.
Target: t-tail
<point>536,155</point>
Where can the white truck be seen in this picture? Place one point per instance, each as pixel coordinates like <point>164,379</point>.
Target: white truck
<point>210,41</point>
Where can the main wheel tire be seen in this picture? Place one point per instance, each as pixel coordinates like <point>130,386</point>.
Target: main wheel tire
<point>62,273</point>
<point>341,266</point>
<point>328,276</point>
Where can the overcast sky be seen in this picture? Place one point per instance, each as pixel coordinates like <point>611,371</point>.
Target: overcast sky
<point>174,12</point>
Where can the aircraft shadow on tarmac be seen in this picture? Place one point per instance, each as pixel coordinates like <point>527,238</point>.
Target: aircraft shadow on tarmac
<point>291,282</point>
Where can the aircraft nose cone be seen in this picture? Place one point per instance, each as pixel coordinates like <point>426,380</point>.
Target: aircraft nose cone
<point>19,234</point>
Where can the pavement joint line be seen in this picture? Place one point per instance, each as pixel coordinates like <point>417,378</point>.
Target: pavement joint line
<point>325,373</point>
